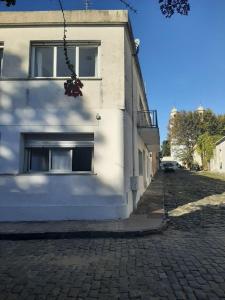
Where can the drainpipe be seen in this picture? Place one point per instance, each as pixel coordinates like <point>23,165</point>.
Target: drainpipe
<point>134,179</point>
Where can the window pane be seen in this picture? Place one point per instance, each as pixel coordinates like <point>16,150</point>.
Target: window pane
<point>1,59</point>
<point>61,159</point>
<point>82,159</point>
<point>87,61</point>
<point>43,62</point>
<point>62,69</point>
<point>140,158</point>
<point>39,159</point>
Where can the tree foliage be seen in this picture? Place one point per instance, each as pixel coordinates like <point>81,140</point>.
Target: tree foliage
<point>9,2</point>
<point>169,7</point>
<point>205,147</point>
<point>186,128</point>
<point>165,148</point>
<point>185,131</point>
<point>221,125</point>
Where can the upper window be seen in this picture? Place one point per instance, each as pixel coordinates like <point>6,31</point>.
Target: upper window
<point>58,153</point>
<point>49,60</point>
<point>1,59</point>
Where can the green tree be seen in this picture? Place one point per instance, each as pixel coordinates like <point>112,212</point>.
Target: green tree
<point>184,132</point>
<point>165,148</point>
<point>209,122</point>
<point>186,128</point>
<point>205,147</point>
<point>221,124</point>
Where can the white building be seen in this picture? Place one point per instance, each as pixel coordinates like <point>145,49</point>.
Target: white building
<point>217,163</point>
<point>62,157</point>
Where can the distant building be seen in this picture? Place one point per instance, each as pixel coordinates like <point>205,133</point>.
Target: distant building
<point>217,163</point>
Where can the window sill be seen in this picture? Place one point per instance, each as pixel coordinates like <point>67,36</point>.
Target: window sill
<point>48,173</point>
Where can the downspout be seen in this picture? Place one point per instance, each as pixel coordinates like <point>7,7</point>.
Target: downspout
<point>132,116</point>
<point>134,181</point>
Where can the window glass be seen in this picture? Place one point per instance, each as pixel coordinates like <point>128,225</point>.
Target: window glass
<point>61,159</point>
<point>140,158</point>
<point>1,59</point>
<point>148,167</point>
<point>82,159</point>
<point>64,152</point>
<point>39,160</point>
<point>43,62</point>
<point>62,69</point>
<point>87,61</point>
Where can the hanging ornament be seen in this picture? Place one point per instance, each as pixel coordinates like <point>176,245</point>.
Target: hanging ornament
<point>73,87</point>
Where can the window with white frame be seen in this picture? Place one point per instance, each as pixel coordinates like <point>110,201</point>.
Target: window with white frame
<point>62,153</point>
<point>48,60</point>
<point>1,58</point>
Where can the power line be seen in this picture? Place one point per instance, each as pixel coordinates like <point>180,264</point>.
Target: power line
<point>128,5</point>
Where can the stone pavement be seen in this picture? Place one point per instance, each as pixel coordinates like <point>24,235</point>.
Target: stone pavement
<point>148,218</point>
<point>187,261</point>
<point>194,201</point>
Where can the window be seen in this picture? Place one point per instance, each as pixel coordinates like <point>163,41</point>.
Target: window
<point>58,153</point>
<point>1,59</point>
<point>141,106</point>
<point>49,60</point>
<point>148,167</point>
<point>140,158</point>
<point>144,163</point>
<point>87,61</point>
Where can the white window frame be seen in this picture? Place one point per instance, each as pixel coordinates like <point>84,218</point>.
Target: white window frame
<point>1,66</point>
<point>77,46</point>
<point>57,144</point>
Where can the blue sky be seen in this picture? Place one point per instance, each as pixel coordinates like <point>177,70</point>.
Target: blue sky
<point>182,58</point>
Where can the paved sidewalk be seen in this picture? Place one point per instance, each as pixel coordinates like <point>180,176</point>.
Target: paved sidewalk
<point>148,218</point>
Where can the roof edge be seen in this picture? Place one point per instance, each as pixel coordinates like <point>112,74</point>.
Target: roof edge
<point>73,17</point>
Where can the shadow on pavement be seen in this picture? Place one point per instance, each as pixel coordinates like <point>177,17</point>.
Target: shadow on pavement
<point>193,200</point>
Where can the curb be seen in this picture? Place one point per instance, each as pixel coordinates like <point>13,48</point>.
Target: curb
<point>83,234</point>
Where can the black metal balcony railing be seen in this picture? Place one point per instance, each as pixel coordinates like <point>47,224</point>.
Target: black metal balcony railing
<point>147,119</point>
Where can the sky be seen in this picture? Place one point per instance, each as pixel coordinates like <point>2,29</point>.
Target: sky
<point>182,57</point>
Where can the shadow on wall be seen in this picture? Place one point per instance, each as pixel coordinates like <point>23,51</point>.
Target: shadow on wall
<point>40,106</point>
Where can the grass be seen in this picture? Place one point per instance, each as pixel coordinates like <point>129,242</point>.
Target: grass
<point>214,175</point>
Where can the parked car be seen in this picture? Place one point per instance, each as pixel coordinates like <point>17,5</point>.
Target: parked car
<point>195,167</point>
<point>169,167</point>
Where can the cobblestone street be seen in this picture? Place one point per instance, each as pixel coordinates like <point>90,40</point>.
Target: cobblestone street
<point>187,261</point>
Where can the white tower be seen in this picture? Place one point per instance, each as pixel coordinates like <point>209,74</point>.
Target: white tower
<point>173,112</point>
<point>200,110</point>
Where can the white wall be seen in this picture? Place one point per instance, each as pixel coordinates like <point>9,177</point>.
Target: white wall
<point>40,106</point>
<point>133,142</point>
<point>217,163</point>
<point>31,105</point>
